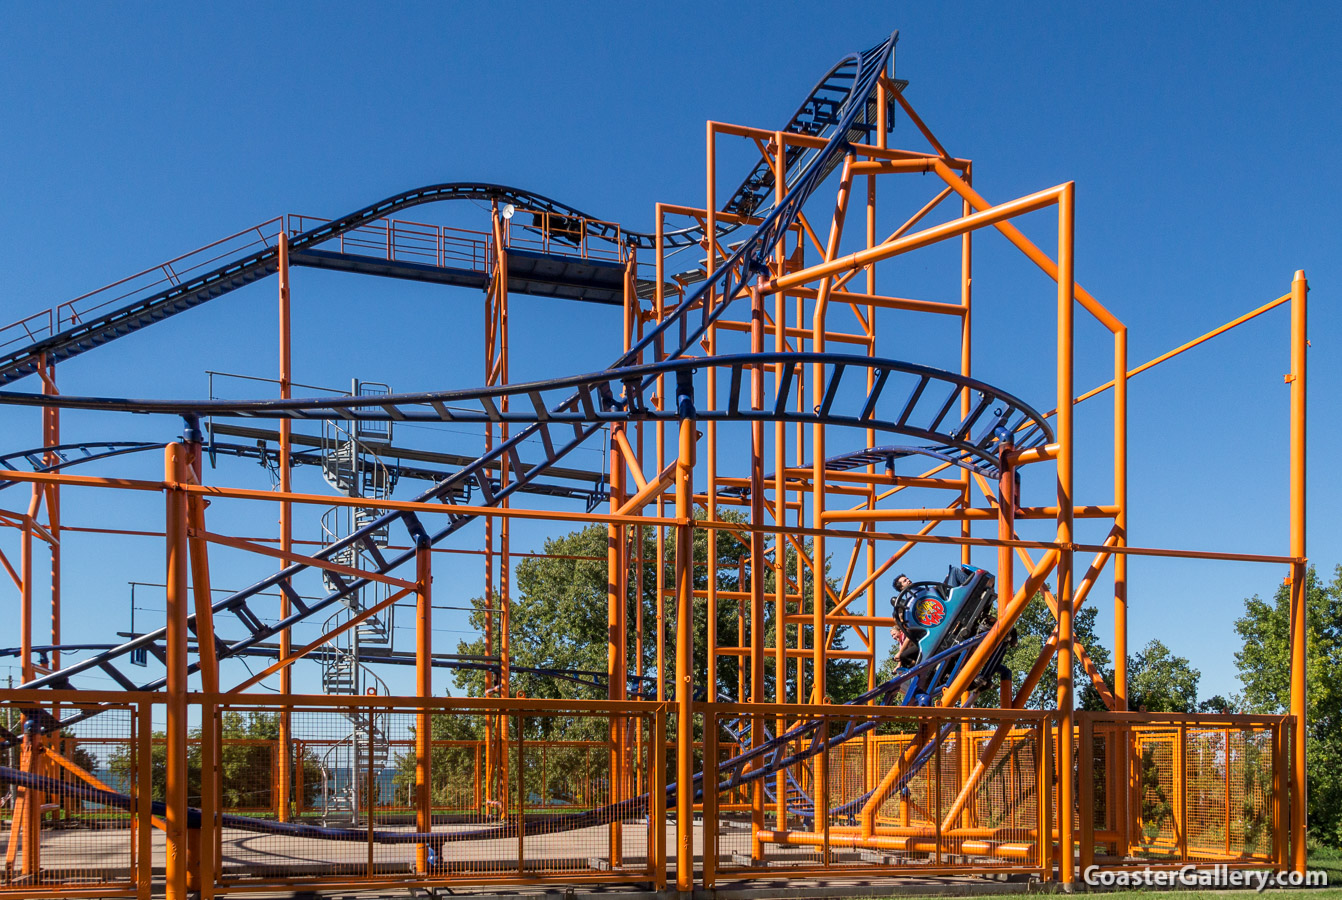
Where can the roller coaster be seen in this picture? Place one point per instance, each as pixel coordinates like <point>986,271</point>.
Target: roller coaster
<point>937,768</point>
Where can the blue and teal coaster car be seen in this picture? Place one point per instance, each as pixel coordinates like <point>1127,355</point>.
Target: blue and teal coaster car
<point>935,615</point>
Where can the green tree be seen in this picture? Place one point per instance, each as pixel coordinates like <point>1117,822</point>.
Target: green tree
<point>245,763</point>
<point>559,622</point>
<point>1217,704</point>
<point>1159,681</point>
<point>1264,664</point>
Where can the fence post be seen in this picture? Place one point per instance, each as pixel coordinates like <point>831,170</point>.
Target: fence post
<point>710,805</point>
<point>521,800</point>
<point>1086,789</point>
<point>175,529</point>
<point>144,834</point>
<point>657,789</point>
<point>1044,755</point>
<point>424,688</point>
<point>1181,790</point>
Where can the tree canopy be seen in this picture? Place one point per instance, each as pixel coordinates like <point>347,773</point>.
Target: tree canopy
<point>1265,671</point>
<point>558,614</point>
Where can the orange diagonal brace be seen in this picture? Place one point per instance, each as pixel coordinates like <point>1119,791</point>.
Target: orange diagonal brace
<point>989,215</point>
<point>1026,246</point>
<point>308,648</point>
<point>648,491</point>
<point>14,575</point>
<point>1000,628</point>
<point>92,780</point>
<point>306,560</point>
<point>967,672</point>
<point>631,460</point>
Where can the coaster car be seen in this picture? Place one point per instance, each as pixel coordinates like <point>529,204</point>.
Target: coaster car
<point>935,615</point>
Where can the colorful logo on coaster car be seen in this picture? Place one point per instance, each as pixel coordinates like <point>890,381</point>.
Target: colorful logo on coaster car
<point>928,611</point>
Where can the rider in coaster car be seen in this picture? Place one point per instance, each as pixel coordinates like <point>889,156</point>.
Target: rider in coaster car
<point>908,651</point>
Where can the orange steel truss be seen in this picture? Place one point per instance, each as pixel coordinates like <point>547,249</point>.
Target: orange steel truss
<point>995,791</point>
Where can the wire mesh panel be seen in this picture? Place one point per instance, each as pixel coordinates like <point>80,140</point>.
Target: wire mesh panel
<point>1176,789</point>
<point>63,826</point>
<point>872,789</point>
<point>516,791</point>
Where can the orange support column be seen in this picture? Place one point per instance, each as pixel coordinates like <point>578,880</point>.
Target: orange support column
<point>175,530</point>
<point>1066,751</point>
<point>684,577</point>
<point>283,788</point>
<point>758,564</point>
<point>424,690</point>
<point>1299,586</point>
<point>615,632</point>
<point>1006,530</point>
<point>203,861</point>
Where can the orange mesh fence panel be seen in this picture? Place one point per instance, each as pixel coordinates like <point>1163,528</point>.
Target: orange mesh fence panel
<point>56,842</point>
<point>1175,789</point>
<point>518,794</point>
<point>863,789</point>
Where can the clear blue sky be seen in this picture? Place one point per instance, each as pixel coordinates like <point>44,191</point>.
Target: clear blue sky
<point>1201,139</point>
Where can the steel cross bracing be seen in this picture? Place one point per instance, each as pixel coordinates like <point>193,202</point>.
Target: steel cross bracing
<point>830,108</point>
<point>727,283</point>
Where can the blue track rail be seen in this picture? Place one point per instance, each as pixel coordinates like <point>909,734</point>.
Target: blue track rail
<point>842,105</point>
<point>676,335</point>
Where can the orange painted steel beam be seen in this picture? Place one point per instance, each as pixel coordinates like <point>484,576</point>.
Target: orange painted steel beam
<point>424,691</point>
<point>818,336</point>
<point>858,259</point>
<point>305,560</point>
<point>892,88</point>
<point>1032,252</point>
<point>648,493</point>
<point>10,570</point>
<point>1066,443</point>
<point>412,506</point>
<point>684,584</point>
<point>285,340</point>
<point>782,139</point>
<point>743,528</point>
<point>1189,345</point>
<point>175,794</point>
<point>903,515</point>
<point>904,303</point>
<point>630,458</point>
<point>129,484</point>
<point>837,337</point>
<point>1033,455</point>
<point>303,651</point>
<point>1299,598</point>
<point>216,491</point>
<point>898,232</point>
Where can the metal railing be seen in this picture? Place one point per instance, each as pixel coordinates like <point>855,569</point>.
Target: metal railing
<point>166,274</point>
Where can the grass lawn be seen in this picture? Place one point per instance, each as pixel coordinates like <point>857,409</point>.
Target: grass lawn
<point>1331,862</point>
<point>1330,893</point>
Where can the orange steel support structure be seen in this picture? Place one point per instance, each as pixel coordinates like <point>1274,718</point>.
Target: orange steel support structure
<point>806,543</point>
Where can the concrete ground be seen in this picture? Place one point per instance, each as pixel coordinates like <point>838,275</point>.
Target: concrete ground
<point>78,855</point>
